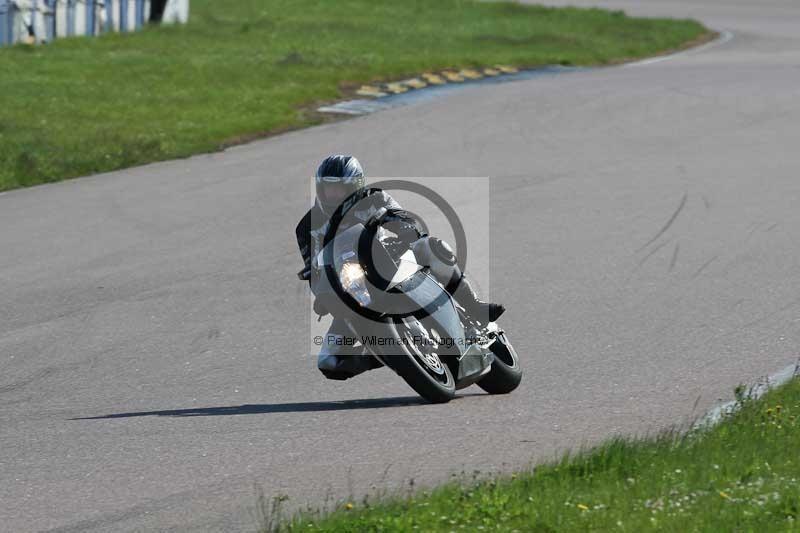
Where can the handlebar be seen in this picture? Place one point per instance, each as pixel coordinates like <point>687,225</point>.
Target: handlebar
<point>378,217</point>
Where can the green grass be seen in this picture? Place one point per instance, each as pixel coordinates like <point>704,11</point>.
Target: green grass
<point>244,68</point>
<point>742,475</point>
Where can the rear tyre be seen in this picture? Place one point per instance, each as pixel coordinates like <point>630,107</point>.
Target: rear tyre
<point>506,374</point>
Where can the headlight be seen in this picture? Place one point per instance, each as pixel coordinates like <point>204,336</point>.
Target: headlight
<point>354,282</point>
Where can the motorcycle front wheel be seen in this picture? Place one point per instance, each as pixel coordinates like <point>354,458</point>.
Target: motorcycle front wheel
<point>421,367</point>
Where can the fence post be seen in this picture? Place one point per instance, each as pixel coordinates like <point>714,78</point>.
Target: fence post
<point>109,15</point>
<point>90,17</point>
<point>50,29</point>
<point>5,16</point>
<point>139,14</point>
<point>123,15</point>
<point>71,18</point>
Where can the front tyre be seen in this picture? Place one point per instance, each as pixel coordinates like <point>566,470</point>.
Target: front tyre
<point>422,369</point>
<point>506,374</point>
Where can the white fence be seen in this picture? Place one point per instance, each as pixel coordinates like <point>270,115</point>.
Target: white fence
<point>37,21</point>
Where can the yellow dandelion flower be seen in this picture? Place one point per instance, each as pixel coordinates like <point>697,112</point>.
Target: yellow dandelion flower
<point>349,506</point>
<point>583,507</point>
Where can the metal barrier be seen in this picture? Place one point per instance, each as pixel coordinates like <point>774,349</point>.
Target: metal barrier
<point>45,20</point>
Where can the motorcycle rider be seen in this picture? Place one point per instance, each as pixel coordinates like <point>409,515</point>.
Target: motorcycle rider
<point>340,178</point>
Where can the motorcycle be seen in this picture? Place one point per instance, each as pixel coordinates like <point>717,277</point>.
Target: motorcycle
<point>403,318</point>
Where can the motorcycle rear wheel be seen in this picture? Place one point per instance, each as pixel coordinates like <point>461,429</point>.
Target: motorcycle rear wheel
<point>506,374</point>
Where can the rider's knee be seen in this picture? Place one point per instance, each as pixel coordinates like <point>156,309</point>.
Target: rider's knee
<point>327,362</point>
<point>332,349</point>
<point>340,360</point>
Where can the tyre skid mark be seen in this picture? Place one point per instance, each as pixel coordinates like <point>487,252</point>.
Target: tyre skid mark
<point>705,265</point>
<point>669,223</point>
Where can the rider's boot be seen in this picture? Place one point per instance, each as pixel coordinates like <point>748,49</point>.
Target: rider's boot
<point>466,296</point>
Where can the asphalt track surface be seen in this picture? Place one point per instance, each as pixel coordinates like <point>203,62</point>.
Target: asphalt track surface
<point>646,239</point>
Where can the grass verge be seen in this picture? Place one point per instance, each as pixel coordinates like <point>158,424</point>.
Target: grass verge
<point>247,68</point>
<point>741,475</point>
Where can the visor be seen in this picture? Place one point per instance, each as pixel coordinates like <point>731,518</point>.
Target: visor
<point>334,193</point>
